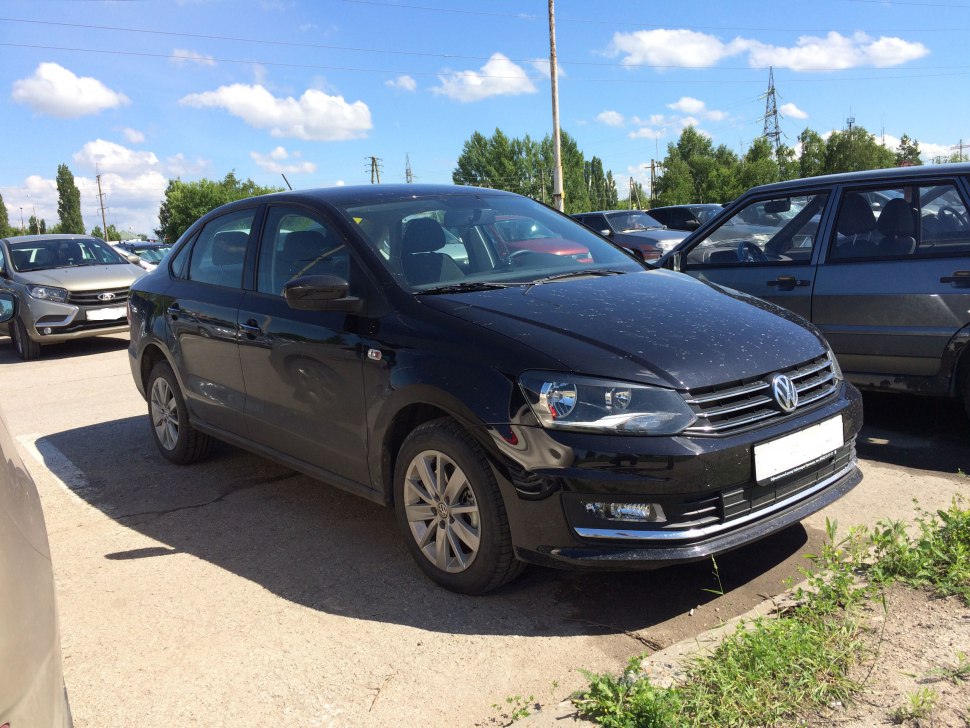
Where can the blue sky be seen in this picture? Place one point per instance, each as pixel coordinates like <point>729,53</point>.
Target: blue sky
<point>147,90</point>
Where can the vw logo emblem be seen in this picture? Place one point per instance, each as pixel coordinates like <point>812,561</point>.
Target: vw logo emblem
<point>106,296</point>
<point>784,392</point>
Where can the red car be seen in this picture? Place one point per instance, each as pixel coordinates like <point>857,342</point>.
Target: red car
<point>525,234</point>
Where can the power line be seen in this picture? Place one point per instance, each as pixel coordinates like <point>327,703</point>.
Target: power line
<point>772,131</point>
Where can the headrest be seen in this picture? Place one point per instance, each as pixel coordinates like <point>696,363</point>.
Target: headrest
<point>229,247</point>
<point>304,245</point>
<point>423,235</point>
<point>856,216</point>
<point>897,218</point>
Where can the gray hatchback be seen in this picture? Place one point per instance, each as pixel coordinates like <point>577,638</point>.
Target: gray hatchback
<point>878,260</point>
<point>67,286</point>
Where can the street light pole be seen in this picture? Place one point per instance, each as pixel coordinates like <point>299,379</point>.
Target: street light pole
<point>557,192</point>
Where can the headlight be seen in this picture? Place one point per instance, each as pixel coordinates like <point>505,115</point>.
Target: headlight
<point>836,369</point>
<point>48,293</point>
<point>571,402</point>
<point>667,245</point>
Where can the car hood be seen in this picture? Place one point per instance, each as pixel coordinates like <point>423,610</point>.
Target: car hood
<point>83,278</point>
<point>657,327</point>
<point>655,235</point>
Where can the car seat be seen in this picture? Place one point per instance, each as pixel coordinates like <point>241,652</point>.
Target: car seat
<point>420,259</point>
<point>897,223</point>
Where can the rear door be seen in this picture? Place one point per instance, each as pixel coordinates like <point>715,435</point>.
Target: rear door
<point>890,298</point>
<point>767,247</point>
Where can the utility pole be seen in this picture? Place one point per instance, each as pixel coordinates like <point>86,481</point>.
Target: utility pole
<point>542,184</point>
<point>36,221</point>
<point>375,170</point>
<point>22,228</point>
<point>408,176</point>
<point>772,131</point>
<point>959,146</point>
<point>101,202</point>
<point>653,182</point>
<point>557,193</point>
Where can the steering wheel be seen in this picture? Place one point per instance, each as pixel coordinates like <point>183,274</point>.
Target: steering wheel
<point>949,215</point>
<point>748,252</point>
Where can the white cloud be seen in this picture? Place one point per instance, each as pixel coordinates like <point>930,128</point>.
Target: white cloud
<point>688,105</point>
<point>403,83</point>
<point>274,162</point>
<point>178,166</point>
<point>498,77</point>
<point>132,136</point>
<point>690,49</point>
<point>646,132</point>
<point>55,90</point>
<point>104,156</point>
<point>928,150</point>
<point>693,108</point>
<point>181,56</point>
<point>542,65</point>
<point>834,52</point>
<point>611,118</point>
<point>315,116</point>
<point>792,111</point>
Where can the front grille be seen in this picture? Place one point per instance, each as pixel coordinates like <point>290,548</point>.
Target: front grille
<point>90,298</point>
<point>739,405</point>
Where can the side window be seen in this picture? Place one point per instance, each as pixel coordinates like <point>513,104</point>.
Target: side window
<point>901,222</point>
<point>296,243</point>
<point>596,222</point>
<point>779,231</point>
<point>219,252</point>
<point>180,259</point>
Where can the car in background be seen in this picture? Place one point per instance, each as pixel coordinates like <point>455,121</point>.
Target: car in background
<point>528,407</point>
<point>525,234</point>
<point>149,254</point>
<point>878,260</point>
<point>632,229</point>
<point>685,217</point>
<point>32,691</point>
<point>67,287</point>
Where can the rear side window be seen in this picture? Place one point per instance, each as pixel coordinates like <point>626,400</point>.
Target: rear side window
<point>906,221</point>
<point>218,255</point>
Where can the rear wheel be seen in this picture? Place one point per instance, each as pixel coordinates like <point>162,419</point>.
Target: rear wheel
<point>966,391</point>
<point>27,348</point>
<point>168,416</point>
<point>450,510</point>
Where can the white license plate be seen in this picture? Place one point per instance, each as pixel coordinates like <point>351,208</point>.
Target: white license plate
<point>798,451</point>
<point>106,314</point>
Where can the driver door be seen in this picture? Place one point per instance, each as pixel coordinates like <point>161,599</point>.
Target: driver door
<point>767,248</point>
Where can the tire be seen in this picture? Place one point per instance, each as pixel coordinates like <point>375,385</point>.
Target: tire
<point>26,347</point>
<point>966,392</point>
<point>466,548</point>
<point>168,419</point>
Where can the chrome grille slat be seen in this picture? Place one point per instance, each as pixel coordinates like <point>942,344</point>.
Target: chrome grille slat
<point>743,404</point>
<point>90,298</point>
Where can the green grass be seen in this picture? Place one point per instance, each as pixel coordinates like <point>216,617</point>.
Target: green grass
<point>770,671</point>
<point>918,705</point>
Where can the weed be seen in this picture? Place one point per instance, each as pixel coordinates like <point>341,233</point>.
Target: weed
<point>919,705</point>
<point>516,707</point>
<point>717,575</point>
<point>958,674</point>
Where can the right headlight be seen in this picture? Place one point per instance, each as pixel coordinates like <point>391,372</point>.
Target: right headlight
<point>565,401</point>
<point>48,293</point>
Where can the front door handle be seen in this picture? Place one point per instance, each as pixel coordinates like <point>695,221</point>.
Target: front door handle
<point>250,328</point>
<point>787,283</point>
<point>959,279</point>
<point>174,310</point>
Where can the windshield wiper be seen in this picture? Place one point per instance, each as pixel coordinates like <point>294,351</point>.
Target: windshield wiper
<point>465,287</point>
<point>574,274</point>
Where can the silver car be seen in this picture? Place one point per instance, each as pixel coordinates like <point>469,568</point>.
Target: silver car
<point>31,679</point>
<point>67,287</point>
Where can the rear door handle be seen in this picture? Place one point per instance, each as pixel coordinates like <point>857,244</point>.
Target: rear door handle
<point>960,278</point>
<point>250,328</point>
<point>174,310</point>
<point>787,283</point>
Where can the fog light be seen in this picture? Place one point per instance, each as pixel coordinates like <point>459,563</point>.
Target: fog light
<point>640,512</point>
<point>47,329</point>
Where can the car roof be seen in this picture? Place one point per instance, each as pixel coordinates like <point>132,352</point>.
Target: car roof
<point>48,236</point>
<point>871,175</point>
<point>689,205</point>
<point>610,212</point>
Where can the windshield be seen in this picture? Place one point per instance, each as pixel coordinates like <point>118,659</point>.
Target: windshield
<point>634,220</point>
<point>151,255</point>
<point>31,255</point>
<point>457,242</point>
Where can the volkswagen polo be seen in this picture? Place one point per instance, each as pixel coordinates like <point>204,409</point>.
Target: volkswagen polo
<point>525,407</point>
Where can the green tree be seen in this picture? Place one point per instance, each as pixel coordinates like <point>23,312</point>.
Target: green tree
<point>759,166</point>
<point>787,163</point>
<point>33,226</point>
<point>97,232</point>
<point>5,229</point>
<point>907,154</point>
<point>637,199</point>
<point>612,196</point>
<point>43,226</point>
<point>811,163</point>
<point>855,149</point>
<point>68,202</point>
<point>186,202</point>
<point>676,185</point>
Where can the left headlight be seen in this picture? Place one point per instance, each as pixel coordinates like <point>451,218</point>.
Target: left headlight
<point>571,402</point>
<point>48,293</point>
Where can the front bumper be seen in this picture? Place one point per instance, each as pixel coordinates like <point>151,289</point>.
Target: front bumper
<point>50,321</point>
<point>705,487</point>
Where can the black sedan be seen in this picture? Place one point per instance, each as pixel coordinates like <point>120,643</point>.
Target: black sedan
<point>633,229</point>
<point>385,340</point>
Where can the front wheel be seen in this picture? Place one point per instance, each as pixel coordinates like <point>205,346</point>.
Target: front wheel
<point>168,416</point>
<point>450,510</point>
<point>27,348</point>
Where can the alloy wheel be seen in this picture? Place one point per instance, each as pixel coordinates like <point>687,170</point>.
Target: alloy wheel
<point>165,418</point>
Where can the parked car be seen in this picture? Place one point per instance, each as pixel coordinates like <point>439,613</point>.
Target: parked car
<point>633,229</point>
<point>67,287</point>
<point>524,233</point>
<point>149,254</point>
<point>879,261</point>
<point>530,408</point>
<point>685,217</point>
<point>32,689</point>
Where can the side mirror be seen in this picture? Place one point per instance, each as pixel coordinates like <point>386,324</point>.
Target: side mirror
<point>676,262</point>
<point>320,293</point>
<point>692,225</point>
<point>132,258</point>
<point>8,306</point>
<point>636,253</point>
<point>605,233</point>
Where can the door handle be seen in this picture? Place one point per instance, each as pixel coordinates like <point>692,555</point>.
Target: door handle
<point>787,283</point>
<point>960,278</point>
<point>250,328</point>
<point>174,310</point>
